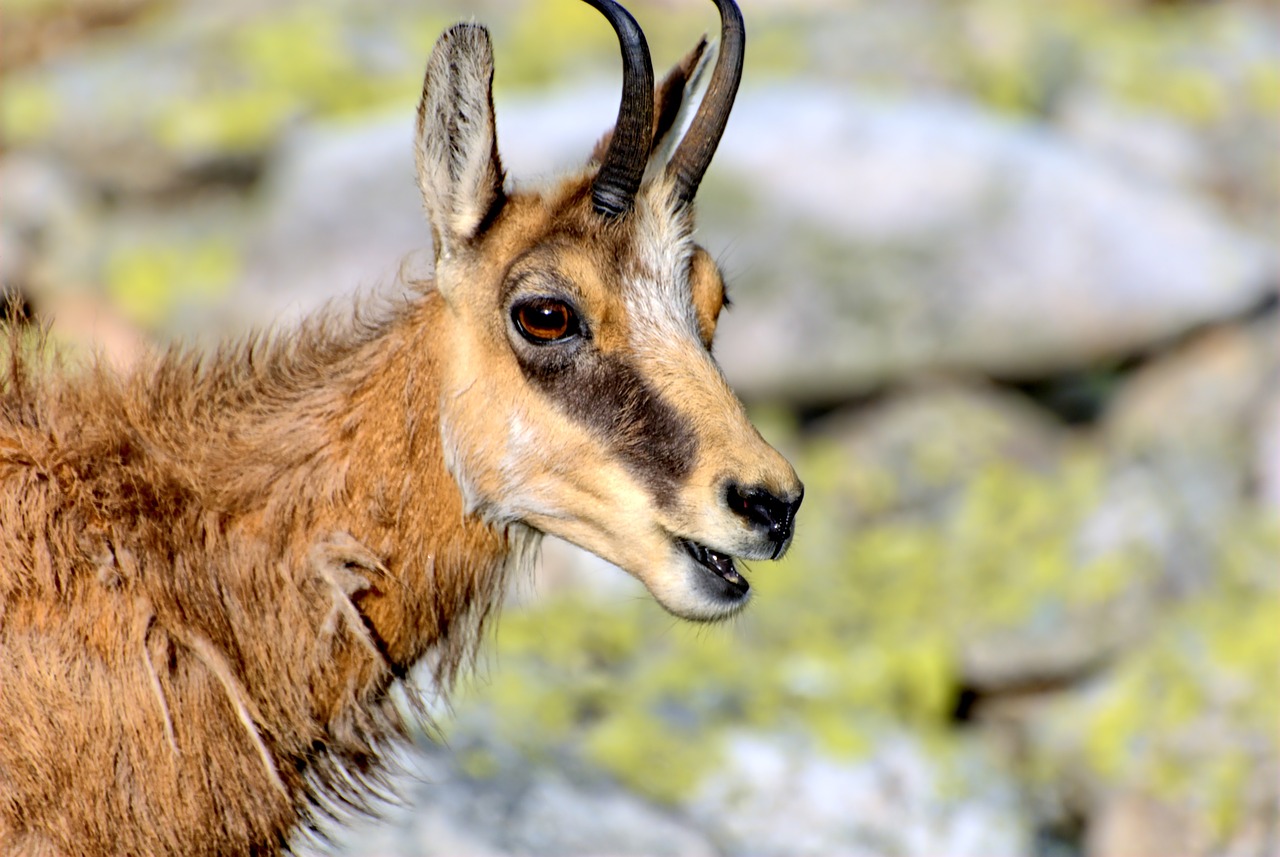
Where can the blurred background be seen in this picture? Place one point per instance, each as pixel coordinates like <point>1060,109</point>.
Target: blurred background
<point>1005,282</point>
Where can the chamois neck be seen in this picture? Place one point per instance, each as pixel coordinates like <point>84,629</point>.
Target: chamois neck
<point>338,465</point>
<point>446,568</point>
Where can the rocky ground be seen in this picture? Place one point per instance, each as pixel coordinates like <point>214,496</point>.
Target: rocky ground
<point>1005,289</point>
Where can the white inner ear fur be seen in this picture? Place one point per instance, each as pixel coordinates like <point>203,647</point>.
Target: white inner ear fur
<point>459,173</point>
<point>694,89</point>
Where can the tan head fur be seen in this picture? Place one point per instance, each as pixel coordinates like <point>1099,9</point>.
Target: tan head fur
<point>673,467</point>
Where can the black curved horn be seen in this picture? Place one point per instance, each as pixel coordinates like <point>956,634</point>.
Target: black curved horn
<point>614,191</point>
<point>692,158</point>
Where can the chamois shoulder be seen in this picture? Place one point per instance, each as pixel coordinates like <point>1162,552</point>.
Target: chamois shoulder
<point>181,382</point>
<point>164,433</point>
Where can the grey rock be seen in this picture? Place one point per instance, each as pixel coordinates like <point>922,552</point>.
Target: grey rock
<point>1267,453</point>
<point>433,818</point>
<point>514,807</point>
<point>916,455</point>
<point>870,240</point>
<point>1151,145</point>
<point>774,798</point>
<point>110,100</point>
<point>46,230</point>
<point>340,213</point>
<point>1132,823</point>
<point>1190,426</point>
<point>1201,397</point>
<point>185,101</point>
<point>565,567</point>
<point>922,444</point>
<point>560,818</point>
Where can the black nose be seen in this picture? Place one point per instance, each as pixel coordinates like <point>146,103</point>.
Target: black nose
<point>766,509</point>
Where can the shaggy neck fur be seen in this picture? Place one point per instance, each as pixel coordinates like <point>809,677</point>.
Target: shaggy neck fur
<point>217,568</point>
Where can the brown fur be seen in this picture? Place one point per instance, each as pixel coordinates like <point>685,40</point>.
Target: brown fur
<point>211,573</point>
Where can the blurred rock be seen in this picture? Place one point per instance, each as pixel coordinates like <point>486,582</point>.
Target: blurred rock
<point>341,213</point>
<point>565,567</point>
<point>1149,145</point>
<point>1189,425</point>
<point>105,106</point>
<point>46,227</point>
<point>929,439</point>
<point>560,818</point>
<point>957,241</point>
<point>936,455</point>
<point>870,242</point>
<point>1267,454</point>
<point>342,210</point>
<point>1202,397</point>
<point>1184,724</point>
<point>1137,825</point>
<point>199,94</point>
<point>771,799</point>
<point>873,240</point>
<point>515,807</point>
<point>38,30</point>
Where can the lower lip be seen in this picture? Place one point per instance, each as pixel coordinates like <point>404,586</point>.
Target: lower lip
<point>730,585</point>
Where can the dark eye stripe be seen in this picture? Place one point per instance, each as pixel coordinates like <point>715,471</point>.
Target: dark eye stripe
<point>611,398</point>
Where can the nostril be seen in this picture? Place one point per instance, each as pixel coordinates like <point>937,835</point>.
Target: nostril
<point>764,508</point>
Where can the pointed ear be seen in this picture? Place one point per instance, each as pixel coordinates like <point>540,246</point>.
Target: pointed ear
<point>456,149</point>
<point>671,98</point>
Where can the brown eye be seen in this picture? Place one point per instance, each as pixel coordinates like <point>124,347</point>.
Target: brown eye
<point>543,320</point>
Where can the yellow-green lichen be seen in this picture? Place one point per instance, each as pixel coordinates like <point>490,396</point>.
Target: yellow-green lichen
<point>1190,716</point>
<point>1018,56</point>
<point>28,110</point>
<point>273,70</point>
<point>225,122</point>
<point>149,281</point>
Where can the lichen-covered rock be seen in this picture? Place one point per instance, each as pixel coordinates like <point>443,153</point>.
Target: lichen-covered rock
<point>43,209</point>
<point>918,446</point>
<point>1201,398</point>
<point>1184,430</point>
<point>1186,719</point>
<point>202,93</point>
<point>890,238</point>
<point>1054,555</point>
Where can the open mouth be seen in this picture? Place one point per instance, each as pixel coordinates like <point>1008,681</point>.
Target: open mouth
<point>720,565</point>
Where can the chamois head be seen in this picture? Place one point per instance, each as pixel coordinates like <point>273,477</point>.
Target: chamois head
<point>579,393</point>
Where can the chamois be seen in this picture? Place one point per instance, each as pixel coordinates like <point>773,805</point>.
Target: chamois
<point>216,569</point>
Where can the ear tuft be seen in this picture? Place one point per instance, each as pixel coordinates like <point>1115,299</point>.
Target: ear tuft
<point>456,149</point>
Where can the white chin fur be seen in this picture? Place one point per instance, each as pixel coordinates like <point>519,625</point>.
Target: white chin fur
<point>687,590</point>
